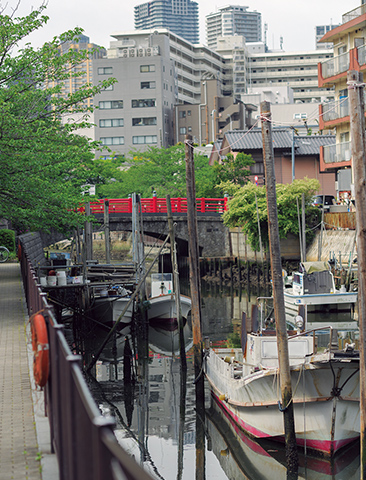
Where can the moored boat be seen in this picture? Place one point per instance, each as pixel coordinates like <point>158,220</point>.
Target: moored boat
<point>311,292</point>
<point>325,388</point>
<point>162,310</point>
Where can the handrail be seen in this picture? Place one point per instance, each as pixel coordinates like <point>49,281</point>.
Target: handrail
<point>83,440</point>
<point>158,205</point>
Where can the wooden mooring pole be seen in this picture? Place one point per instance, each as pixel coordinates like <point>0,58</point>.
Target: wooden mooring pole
<point>174,260</point>
<point>357,120</point>
<point>193,255</point>
<point>278,293</point>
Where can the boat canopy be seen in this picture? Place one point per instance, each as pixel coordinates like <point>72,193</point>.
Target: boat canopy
<point>311,267</point>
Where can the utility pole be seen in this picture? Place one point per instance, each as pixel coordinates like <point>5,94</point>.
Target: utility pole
<point>88,228</point>
<point>357,121</point>
<point>278,293</point>
<point>106,233</point>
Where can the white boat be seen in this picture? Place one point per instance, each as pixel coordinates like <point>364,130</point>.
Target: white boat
<point>325,388</point>
<point>312,294</point>
<point>162,309</point>
<point>242,458</point>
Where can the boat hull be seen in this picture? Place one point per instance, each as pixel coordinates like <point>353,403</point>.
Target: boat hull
<point>162,310</point>
<point>325,419</point>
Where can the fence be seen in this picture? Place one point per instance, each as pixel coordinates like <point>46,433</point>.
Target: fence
<point>81,437</point>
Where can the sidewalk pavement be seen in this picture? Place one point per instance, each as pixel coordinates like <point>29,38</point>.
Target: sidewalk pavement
<point>25,451</point>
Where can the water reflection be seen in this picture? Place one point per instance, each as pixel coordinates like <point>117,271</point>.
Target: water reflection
<point>241,457</point>
<point>158,423</point>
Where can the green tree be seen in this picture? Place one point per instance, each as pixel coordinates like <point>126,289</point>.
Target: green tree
<point>162,170</point>
<point>242,209</point>
<point>42,160</point>
<point>233,169</point>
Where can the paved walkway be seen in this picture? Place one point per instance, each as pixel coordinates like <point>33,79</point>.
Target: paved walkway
<point>24,431</point>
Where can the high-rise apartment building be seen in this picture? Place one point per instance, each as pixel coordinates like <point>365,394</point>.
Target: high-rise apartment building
<point>320,31</point>
<point>178,16</point>
<point>233,20</point>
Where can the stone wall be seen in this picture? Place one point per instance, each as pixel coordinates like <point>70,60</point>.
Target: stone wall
<point>290,249</point>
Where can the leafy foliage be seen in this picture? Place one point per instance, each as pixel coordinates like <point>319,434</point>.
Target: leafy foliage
<point>242,209</point>
<point>234,169</point>
<point>7,239</point>
<point>42,160</point>
<point>162,170</point>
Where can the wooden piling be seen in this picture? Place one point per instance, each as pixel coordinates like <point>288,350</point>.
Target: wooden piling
<point>357,121</point>
<point>278,293</point>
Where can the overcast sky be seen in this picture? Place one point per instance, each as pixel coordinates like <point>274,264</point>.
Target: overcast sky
<point>294,20</point>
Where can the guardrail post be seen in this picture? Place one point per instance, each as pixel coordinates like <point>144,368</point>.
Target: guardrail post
<point>154,202</point>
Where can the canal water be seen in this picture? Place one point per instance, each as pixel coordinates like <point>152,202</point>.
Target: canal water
<point>158,422</point>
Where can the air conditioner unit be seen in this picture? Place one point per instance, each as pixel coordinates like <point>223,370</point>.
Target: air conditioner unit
<point>125,53</point>
<point>141,52</point>
<point>149,52</point>
<point>132,52</point>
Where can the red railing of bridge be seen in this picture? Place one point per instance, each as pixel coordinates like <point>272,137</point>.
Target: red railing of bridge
<point>158,205</point>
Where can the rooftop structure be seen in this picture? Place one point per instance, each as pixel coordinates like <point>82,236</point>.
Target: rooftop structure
<point>179,16</point>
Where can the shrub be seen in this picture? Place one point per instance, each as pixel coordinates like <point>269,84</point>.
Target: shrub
<point>7,239</point>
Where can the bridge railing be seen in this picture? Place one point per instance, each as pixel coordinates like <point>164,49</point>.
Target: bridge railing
<point>83,440</point>
<point>158,205</point>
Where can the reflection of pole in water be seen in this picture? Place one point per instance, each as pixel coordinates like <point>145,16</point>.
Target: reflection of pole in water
<point>128,381</point>
<point>182,419</point>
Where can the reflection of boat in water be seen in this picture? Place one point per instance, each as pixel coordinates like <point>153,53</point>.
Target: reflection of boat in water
<point>166,340</point>
<point>325,388</point>
<point>162,309</point>
<point>311,292</point>
<point>243,458</point>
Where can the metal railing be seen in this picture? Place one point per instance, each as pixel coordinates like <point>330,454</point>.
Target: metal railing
<point>352,14</point>
<point>83,440</point>
<point>340,152</point>
<point>336,65</point>
<point>335,110</point>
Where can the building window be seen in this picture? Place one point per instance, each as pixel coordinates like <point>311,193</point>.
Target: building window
<point>111,87</point>
<point>147,68</point>
<point>143,121</point>
<point>182,130</point>
<point>105,70</point>
<point>144,139</point>
<point>111,122</point>
<point>147,85</point>
<point>189,113</point>
<point>111,104</point>
<point>182,114</point>
<point>112,140</point>
<point>143,102</point>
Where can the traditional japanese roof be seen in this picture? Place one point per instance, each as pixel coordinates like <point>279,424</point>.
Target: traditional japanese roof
<point>282,140</point>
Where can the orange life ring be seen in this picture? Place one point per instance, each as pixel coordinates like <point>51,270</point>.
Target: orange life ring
<point>40,348</point>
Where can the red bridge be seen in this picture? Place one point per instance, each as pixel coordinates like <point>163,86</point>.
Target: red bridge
<point>158,205</point>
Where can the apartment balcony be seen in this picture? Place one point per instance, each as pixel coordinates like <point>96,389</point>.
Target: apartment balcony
<point>335,69</point>
<point>334,111</point>
<point>336,65</point>
<point>335,156</point>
